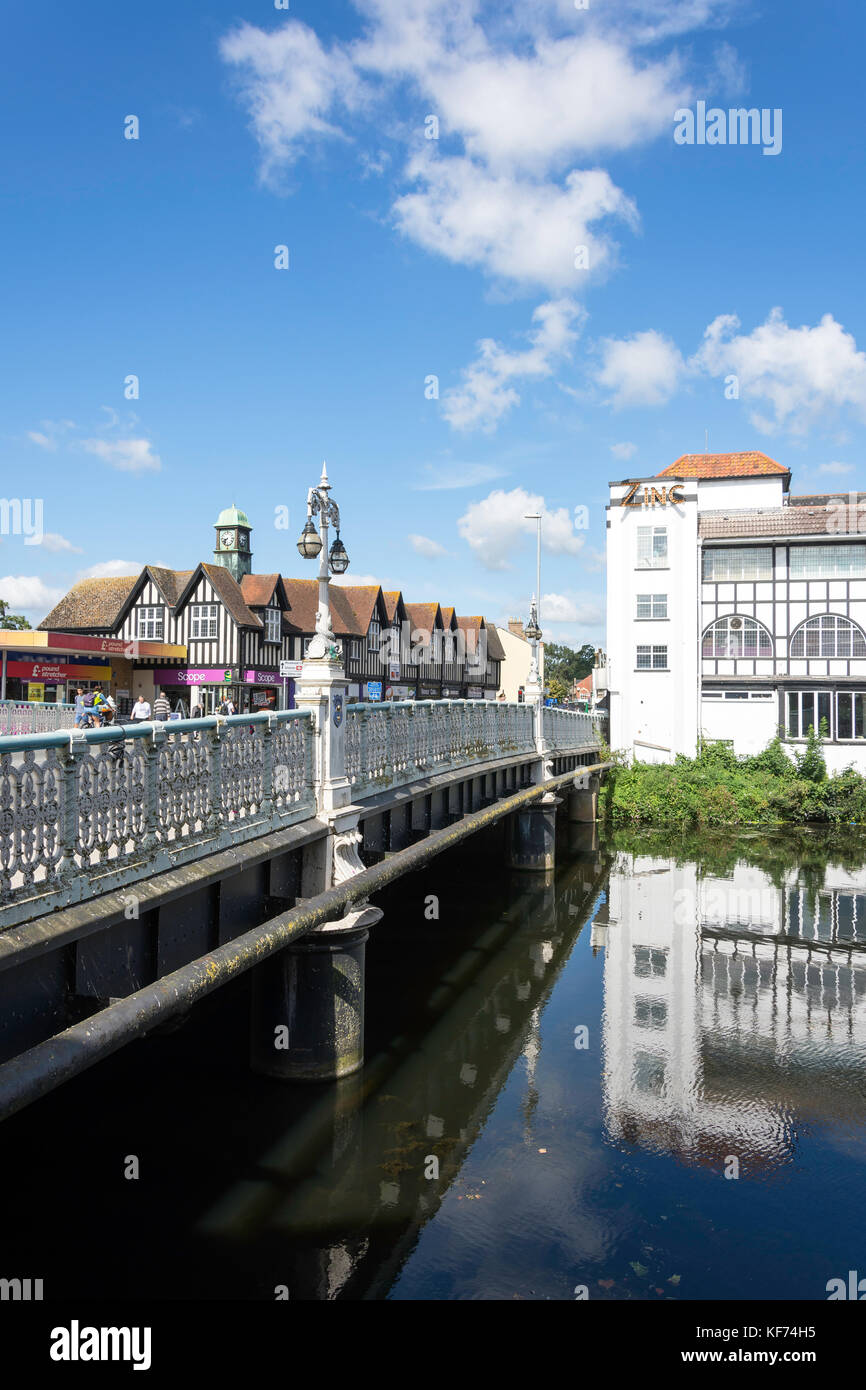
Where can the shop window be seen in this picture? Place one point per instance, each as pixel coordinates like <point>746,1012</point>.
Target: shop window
<point>806,709</point>
<point>851,714</point>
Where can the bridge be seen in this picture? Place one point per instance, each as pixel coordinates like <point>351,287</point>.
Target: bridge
<point>143,866</point>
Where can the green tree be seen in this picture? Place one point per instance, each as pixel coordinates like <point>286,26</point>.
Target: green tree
<point>12,620</point>
<point>567,665</point>
<point>557,688</point>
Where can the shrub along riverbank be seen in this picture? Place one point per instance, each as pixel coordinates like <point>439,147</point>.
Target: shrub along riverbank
<point>719,788</point>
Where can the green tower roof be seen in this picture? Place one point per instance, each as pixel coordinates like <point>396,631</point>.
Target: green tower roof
<point>232,517</point>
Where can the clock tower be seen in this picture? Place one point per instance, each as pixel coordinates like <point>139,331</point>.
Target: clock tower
<point>233,542</point>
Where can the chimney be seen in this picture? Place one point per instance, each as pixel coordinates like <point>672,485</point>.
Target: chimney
<point>515,626</point>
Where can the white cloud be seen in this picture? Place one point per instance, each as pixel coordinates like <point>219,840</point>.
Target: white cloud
<point>644,369</point>
<point>487,392</point>
<point>52,541</point>
<point>496,527</point>
<point>513,228</point>
<point>521,94</point>
<point>423,545</point>
<point>623,451</point>
<point>290,83</point>
<point>537,108</point>
<point>794,375</point>
<point>111,569</point>
<point>445,477</point>
<point>836,468</point>
<point>127,455</point>
<point>565,608</point>
<point>42,440</point>
<point>28,592</point>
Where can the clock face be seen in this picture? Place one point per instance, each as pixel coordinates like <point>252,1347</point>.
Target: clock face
<point>226,539</point>
<point>242,540</point>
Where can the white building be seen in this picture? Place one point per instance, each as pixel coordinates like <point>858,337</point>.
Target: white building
<point>514,671</point>
<point>735,611</point>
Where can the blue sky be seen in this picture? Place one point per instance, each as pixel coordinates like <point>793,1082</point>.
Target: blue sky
<point>412,258</point>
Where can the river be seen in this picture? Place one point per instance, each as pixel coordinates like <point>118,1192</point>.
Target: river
<point>643,1078</point>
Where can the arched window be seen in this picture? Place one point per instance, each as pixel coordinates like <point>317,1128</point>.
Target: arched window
<point>733,636</point>
<point>828,635</point>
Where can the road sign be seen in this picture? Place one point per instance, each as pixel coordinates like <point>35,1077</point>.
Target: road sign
<point>291,668</point>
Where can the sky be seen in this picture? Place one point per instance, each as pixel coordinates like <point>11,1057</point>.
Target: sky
<point>511,274</point>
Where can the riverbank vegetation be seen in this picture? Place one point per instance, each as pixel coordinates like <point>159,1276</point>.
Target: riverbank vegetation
<point>718,788</point>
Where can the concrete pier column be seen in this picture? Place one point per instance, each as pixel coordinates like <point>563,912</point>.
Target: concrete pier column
<point>583,801</point>
<point>307,1019</point>
<point>532,835</point>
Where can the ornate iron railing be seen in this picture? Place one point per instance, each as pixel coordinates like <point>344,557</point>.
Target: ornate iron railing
<point>84,812</point>
<point>32,717</point>
<point>568,729</point>
<point>390,745</point>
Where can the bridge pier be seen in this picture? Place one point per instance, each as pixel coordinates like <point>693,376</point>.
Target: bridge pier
<point>532,835</point>
<point>307,1018</point>
<point>583,801</point>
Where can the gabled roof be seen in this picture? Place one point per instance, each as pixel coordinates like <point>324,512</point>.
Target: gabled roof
<point>393,600</point>
<point>449,618</point>
<point>230,592</point>
<point>91,603</point>
<point>352,606</point>
<point>364,602</point>
<point>751,464</point>
<point>257,590</point>
<point>478,624</point>
<point>171,583</point>
<point>424,617</point>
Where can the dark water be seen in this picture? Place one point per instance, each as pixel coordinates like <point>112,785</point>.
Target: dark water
<point>719,987</point>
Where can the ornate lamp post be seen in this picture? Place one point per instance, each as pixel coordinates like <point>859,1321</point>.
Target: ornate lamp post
<point>333,561</point>
<point>533,629</point>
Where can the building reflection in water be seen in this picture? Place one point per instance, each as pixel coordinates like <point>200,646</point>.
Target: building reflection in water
<point>734,1008</point>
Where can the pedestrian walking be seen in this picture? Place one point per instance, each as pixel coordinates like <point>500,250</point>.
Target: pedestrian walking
<point>80,716</point>
<point>140,710</point>
<point>161,707</point>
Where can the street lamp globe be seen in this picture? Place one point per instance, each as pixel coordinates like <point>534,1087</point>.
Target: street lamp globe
<point>337,557</point>
<point>310,543</point>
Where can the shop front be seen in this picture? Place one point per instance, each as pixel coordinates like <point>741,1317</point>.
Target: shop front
<point>428,692</point>
<point>263,690</point>
<point>53,682</point>
<point>452,692</point>
<point>186,687</point>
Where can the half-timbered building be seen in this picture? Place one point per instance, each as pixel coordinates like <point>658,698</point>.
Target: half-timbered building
<point>736,611</point>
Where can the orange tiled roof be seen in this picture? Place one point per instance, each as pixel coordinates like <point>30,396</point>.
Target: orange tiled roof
<point>752,464</point>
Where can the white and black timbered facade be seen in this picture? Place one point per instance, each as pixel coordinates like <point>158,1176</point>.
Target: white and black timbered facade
<point>736,611</point>
<point>236,628</point>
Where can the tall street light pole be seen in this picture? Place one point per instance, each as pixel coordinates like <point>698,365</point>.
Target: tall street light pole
<point>335,560</point>
<point>533,628</point>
